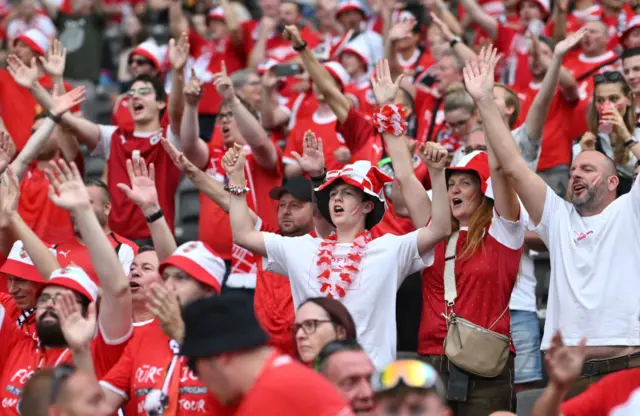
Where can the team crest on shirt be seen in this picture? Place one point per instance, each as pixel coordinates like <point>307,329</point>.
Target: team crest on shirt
<point>189,248</point>
<point>155,139</point>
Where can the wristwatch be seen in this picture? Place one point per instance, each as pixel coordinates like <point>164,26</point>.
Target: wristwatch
<point>454,40</point>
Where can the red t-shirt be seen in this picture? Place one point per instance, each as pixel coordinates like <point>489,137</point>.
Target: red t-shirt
<point>575,19</point>
<point>484,283</point>
<point>513,45</point>
<point>77,253</point>
<point>325,129</point>
<point>26,323</point>
<point>616,394</point>
<point>426,105</point>
<point>18,108</point>
<point>286,387</point>
<point>20,357</point>
<point>361,94</point>
<point>208,55</point>
<point>216,230</point>
<point>277,48</point>
<point>122,117</point>
<point>143,366</point>
<point>116,146</point>
<point>49,222</point>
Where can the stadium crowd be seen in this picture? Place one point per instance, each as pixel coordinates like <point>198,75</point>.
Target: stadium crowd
<point>320,207</point>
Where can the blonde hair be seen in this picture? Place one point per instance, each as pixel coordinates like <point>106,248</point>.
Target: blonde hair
<point>457,98</point>
<point>510,100</point>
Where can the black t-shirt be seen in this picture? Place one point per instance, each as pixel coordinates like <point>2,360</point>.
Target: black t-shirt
<point>82,36</point>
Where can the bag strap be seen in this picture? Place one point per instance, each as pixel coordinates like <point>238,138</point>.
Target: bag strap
<point>597,68</point>
<point>433,118</point>
<point>499,317</point>
<point>449,275</point>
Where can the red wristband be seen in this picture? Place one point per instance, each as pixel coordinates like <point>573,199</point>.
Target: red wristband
<point>390,119</point>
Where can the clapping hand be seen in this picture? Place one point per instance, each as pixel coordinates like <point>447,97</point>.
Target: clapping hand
<point>564,364</point>
<point>7,150</point>
<point>54,62</point>
<point>179,52</point>
<point>166,308</point>
<point>479,72</point>
<point>66,188</point>
<point>434,155</point>
<point>22,74</point>
<point>193,90</point>
<point>223,84</point>
<point>384,89</point>
<point>143,191</point>
<point>78,331</point>
<point>180,160</point>
<point>312,159</point>
<point>233,163</point>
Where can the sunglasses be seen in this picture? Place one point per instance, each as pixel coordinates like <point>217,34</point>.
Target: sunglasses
<point>60,374</point>
<point>606,77</point>
<point>411,373</point>
<point>139,62</point>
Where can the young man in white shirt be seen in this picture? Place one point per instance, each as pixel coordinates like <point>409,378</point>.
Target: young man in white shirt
<point>363,273</point>
<point>592,240</point>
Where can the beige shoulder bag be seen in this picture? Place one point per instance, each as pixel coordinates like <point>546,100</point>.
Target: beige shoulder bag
<point>472,348</point>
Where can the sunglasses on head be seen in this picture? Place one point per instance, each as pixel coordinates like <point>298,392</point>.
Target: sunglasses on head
<point>60,374</point>
<point>611,76</point>
<point>411,373</point>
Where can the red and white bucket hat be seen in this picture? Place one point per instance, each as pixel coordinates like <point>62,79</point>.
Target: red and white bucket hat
<point>216,13</point>
<point>19,264</point>
<point>347,5</point>
<point>36,40</point>
<point>199,261</point>
<point>360,48</point>
<point>338,73</point>
<point>152,51</point>
<point>632,24</point>
<point>74,278</point>
<point>478,163</point>
<point>362,175</point>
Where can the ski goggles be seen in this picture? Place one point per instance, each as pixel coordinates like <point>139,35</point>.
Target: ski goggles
<point>408,373</point>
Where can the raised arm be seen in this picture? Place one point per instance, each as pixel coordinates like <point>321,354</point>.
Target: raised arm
<point>193,146</point>
<point>244,234</point>
<point>27,76</point>
<point>234,28</point>
<point>259,52</point>
<point>62,104</point>
<point>7,150</point>
<point>462,51</point>
<point>560,10</point>
<point>338,102</point>
<point>478,78</point>
<point>271,114</point>
<point>178,55</point>
<point>143,193</point>
<point>178,22</point>
<point>68,192</point>
<point>54,62</point>
<point>481,17</point>
<point>264,151</point>
<point>205,183</point>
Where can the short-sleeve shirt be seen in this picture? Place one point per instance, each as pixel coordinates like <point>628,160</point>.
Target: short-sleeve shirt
<point>513,45</point>
<point>20,357</point>
<point>617,394</point>
<point>116,146</point>
<point>388,260</point>
<point>143,367</point>
<point>285,387</point>
<point>594,263</point>
<point>484,283</point>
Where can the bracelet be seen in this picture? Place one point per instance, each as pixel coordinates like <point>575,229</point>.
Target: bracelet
<point>155,216</point>
<point>630,143</point>
<point>56,118</point>
<point>301,47</point>
<point>390,119</point>
<point>454,41</point>
<point>319,178</point>
<point>237,190</point>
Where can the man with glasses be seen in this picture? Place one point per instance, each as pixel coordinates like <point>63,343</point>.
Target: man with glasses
<point>65,391</point>
<point>345,364</point>
<point>410,387</point>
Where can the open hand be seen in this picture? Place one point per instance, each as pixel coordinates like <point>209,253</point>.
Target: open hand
<point>55,60</point>
<point>384,89</point>
<point>23,75</point>
<point>569,42</point>
<point>143,191</point>
<point>7,150</point>
<point>180,160</point>
<point>446,32</point>
<point>564,364</point>
<point>233,163</point>
<point>179,52</point>
<point>66,188</point>
<point>312,159</point>
<point>9,197</point>
<point>78,331</point>
<point>434,155</point>
<point>223,84</point>
<point>193,90</point>
<point>479,72</point>
<point>166,308</point>
<point>401,30</point>
<point>292,34</point>
<point>63,102</point>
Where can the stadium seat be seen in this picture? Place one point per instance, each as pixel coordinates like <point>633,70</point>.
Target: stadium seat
<point>187,211</point>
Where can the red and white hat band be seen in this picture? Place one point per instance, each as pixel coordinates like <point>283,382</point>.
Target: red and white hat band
<point>36,40</point>
<point>347,5</point>
<point>199,261</point>
<point>633,23</point>
<point>19,264</point>
<point>217,13</point>
<point>74,278</point>
<point>477,162</point>
<point>361,174</point>
<point>152,51</point>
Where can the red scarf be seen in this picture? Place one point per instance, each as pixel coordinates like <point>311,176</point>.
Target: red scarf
<point>337,288</point>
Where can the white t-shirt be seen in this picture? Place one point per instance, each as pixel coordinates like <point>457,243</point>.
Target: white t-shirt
<point>371,299</point>
<point>595,271</point>
<point>523,297</point>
